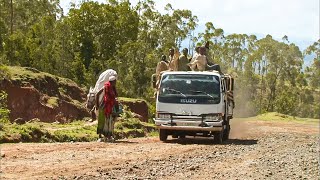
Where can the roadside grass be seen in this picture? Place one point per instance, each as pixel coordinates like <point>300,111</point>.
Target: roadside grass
<point>154,134</point>
<point>133,127</point>
<point>77,131</point>
<point>4,72</point>
<point>130,99</point>
<point>53,102</point>
<point>274,116</point>
<point>25,74</point>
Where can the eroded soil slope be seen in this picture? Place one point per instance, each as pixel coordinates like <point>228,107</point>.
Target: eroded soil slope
<point>256,150</point>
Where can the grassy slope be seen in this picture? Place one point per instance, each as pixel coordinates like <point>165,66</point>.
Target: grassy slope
<point>25,74</point>
<point>36,131</point>
<point>75,131</point>
<point>127,126</point>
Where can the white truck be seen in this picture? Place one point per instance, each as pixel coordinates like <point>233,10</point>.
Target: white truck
<point>194,103</point>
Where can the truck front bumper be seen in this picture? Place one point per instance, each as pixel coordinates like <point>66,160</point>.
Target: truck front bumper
<point>189,125</point>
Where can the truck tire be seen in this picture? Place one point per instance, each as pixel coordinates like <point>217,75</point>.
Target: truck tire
<point>175,136</point>
<point>218,137</point>
<point>226,133</point>
<point>183,136</point>
<point>163,135</point>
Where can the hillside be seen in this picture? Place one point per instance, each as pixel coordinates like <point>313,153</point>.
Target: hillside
<point>33,94</point>
<point>46,108</point>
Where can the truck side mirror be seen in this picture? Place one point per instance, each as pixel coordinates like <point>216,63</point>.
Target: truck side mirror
<point>154,80</point>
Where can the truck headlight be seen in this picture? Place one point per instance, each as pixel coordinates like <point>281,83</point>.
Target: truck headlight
<point>163,116</point>
<point>213,117</point>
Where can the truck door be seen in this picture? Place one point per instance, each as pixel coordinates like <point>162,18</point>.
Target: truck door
<point>230,95</point>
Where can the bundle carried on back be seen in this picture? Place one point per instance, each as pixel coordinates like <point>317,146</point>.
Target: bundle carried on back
<point>103,78</point>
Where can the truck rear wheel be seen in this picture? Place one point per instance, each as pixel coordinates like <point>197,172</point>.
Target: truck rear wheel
<point>218,137</point>
<point>163,135</point>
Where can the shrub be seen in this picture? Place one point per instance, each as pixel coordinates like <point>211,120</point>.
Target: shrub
<point>4,112</point>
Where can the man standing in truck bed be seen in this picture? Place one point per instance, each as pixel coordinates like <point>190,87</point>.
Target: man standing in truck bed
<point>183,61</point>
<point>163,65</point>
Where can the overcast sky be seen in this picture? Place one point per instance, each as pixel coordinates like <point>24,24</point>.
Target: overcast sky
<point>298,19</point>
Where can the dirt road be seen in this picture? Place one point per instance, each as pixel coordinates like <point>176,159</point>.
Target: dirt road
<point>256,150</point>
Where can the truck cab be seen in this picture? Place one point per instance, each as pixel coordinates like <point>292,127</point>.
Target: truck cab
<point>194,103</point>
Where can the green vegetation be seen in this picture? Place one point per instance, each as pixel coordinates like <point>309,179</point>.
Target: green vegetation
<point>130,99</point>
<point>20,73</point>
<point>4,112</point>
<point>131,39</point>
<point>4,72</point>
<point>154,134</point>
<point>53,102</point>
<point>36,131</point>
<point>27,74</point>
<point>77,131</point>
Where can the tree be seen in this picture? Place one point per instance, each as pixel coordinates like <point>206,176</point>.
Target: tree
<point>94,36</point>
<point>314,70</point>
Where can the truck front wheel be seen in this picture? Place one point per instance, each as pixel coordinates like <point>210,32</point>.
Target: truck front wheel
<point>218,137</point>
<point>163,135</point>
<point>226,132</point>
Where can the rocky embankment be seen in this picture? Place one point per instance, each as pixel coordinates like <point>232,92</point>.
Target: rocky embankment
<point>37,95</point>
<point>34,94</point>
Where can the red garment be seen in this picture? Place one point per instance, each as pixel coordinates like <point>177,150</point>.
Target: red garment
<point>109,98</point>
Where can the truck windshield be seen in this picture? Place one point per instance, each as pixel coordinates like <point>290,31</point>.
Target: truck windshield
<point>190,89</point>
